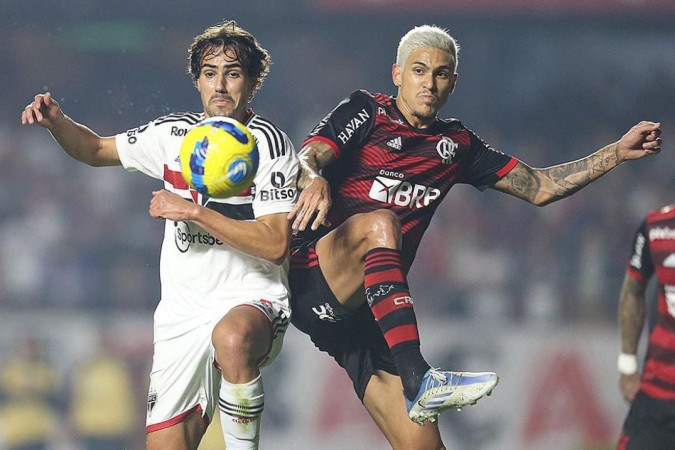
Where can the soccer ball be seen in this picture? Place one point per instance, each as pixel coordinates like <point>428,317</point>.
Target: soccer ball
<point>219,157</point>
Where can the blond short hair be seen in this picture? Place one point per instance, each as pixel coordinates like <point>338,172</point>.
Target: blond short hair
<point>426,36</point>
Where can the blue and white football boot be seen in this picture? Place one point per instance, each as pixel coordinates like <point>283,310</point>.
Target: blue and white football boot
<point>442,390</point>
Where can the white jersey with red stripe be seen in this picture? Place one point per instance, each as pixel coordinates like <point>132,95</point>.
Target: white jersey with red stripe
<point>200,275</point>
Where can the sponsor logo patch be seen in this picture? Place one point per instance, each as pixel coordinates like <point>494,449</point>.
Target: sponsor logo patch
<point>402,193</point>
<point>184,237</point>
<point>396,143</point>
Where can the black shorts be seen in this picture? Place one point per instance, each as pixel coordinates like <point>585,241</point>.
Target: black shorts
<point>352,338</point>
<point>650,424</point>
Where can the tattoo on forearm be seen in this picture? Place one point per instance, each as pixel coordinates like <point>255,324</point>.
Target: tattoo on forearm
<point>522,182</point>
<point>570,177</point>
<point>556,182</point>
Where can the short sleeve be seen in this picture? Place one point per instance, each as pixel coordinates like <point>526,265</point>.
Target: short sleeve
<point>276,179</point>
<point>140,149</point>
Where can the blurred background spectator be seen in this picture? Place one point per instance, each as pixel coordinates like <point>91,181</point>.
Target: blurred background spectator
<point>30,386</point>
<point>103,410</point>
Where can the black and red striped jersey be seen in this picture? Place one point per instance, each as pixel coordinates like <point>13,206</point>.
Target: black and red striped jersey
<point>653,252</point>
<point>384,162</point>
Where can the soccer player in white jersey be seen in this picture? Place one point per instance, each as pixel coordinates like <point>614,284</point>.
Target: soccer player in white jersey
<point>224,307</point>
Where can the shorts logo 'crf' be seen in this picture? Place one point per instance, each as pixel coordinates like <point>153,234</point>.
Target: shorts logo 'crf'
<point>402,193</point>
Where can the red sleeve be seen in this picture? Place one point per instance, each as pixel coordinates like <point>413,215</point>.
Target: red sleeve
<point>325,140</point>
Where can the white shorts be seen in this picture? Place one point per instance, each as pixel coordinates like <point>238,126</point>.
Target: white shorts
<point>184,377</point>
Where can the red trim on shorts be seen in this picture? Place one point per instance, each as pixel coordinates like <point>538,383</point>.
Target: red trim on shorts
<point>332,144</point>
<point>175,420</point>
<point>507,168</point>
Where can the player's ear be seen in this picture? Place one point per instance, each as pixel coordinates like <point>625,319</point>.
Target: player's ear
<point>454,83</point>
<point>396,75</point>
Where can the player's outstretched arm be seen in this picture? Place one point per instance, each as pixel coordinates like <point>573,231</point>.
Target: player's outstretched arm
<point>77,140</point>
<point>632,306</point>
<point>314,196</point>
<point>543,186</point>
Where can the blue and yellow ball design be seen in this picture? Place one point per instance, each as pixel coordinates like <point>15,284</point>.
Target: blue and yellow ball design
<point>219,157</point>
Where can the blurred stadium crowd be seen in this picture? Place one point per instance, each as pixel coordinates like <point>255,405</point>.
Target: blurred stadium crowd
<point>545,86</point>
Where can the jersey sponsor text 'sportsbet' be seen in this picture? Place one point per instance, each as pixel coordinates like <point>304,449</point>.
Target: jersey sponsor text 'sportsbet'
<point>199,273</point>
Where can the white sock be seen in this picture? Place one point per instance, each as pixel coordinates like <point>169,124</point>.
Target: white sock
<point>240,408</point>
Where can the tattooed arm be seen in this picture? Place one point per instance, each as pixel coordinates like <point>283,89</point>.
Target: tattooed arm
<point>631,313</point>
<point>632,306</point>
<point>543,186</point>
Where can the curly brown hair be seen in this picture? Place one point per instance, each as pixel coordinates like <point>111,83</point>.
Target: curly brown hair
<point>252,56</point>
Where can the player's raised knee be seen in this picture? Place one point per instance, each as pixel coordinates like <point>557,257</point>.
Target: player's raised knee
<point>231,337</point>
<point>383,228</point>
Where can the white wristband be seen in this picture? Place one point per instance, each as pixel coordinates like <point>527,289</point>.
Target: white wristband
<point>627,364</point>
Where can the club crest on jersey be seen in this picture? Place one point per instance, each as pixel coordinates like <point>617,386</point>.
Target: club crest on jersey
<point>446,149</point>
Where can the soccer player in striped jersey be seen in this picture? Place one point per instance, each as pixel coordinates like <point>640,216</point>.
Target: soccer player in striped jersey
<point>374,172</point>
<point>650,424</point>
<point>224,266</point>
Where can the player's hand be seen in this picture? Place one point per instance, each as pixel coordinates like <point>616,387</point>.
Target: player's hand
<point>629,386</point>
<point>43,110</point>
<point>167,205</point>
<point>314,202</point>
<point>640,141</point>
